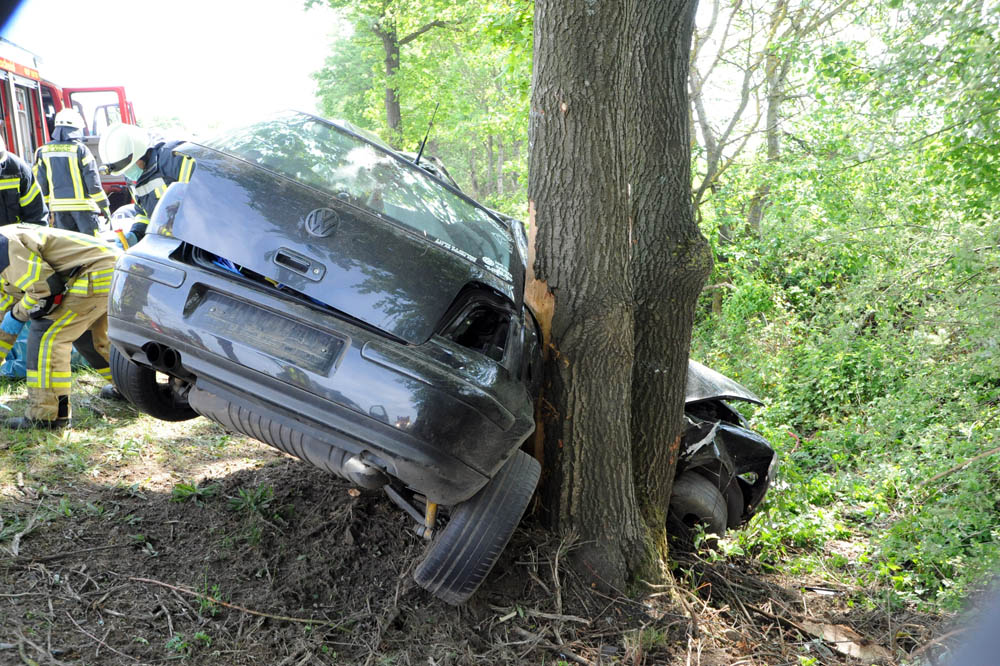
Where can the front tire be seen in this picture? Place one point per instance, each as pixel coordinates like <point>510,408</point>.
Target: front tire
<point>696,501</point>
<point>140,386</point>
<point>467,548</point>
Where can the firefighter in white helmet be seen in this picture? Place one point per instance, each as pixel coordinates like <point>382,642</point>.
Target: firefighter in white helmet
<point>60,280</point>
<point>66,172</point>
<point>148,168</point>
<point>20,198</point>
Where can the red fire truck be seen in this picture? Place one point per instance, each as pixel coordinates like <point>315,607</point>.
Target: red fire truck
<point>29,103</point>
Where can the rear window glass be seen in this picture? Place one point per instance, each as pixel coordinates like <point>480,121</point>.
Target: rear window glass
<point>319,154</point>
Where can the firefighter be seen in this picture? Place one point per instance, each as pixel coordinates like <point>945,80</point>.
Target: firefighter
<point>60,281</point>
<point>20,198</point>
<point>66,171</point>
<point>148,168</point>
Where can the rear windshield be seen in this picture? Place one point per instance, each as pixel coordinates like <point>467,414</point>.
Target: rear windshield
<point>319,154</point>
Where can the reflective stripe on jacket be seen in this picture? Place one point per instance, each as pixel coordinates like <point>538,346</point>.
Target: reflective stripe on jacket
<point>37,263</point>
<point>67,173</point>
<point>20,197</point>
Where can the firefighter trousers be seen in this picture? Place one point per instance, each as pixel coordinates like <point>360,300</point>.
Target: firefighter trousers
<point>81,321</point>
<point>84,221</point>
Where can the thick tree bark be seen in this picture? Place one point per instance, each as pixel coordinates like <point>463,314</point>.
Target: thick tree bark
<point>610,191</point>
<point>577,183</point>
<point>671,259</point>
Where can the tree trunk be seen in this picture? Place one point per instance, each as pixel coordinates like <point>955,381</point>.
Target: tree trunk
<point>390,45</point>
<point>610,192</point>
<point>671,259</point>
<point>500,158</point>
<point>490,157</point>
<point>776,73</point>
<point>473,180</point>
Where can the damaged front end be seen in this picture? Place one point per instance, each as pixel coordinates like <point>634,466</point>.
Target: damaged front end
<point>725,469</point>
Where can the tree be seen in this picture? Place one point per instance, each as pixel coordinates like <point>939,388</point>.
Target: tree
<point>478,69</point>
<point>619,263</point>
<point>394,25</point>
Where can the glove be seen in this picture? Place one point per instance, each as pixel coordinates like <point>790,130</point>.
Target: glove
<point>11,324</point>
<point>125,240</point>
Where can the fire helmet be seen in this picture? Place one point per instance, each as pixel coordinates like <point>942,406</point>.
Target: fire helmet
<point>70,118</point>
<point>121,146</point>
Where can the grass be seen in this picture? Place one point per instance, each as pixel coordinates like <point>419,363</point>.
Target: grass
<point>110,443</point>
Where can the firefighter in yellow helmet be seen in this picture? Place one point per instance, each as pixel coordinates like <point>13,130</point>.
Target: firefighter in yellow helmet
<point>20,198</point>
<point>60,281</point>
<point>148,166</point>
<point>66,172</point>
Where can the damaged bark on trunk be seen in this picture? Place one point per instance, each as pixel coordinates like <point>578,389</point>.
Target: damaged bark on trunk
<point>618,264</point>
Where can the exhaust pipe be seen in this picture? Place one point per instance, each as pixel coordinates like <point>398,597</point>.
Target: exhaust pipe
<point>362,474</point>
<point>170,360</point>
<point>154,352</point>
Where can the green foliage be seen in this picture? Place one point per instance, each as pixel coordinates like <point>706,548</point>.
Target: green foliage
<point>476,64</point>
<point>866,309</point>
<point>186,491</point>
<point>176,643</point>
<point>253,501</point>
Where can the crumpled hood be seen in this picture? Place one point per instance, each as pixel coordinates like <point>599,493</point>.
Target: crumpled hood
<point>703,383</point>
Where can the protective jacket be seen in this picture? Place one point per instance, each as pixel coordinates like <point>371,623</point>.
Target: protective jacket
<point>164,166</point>
<point>39,265</point>
<point>20,198</point>
<point>60,280</point>
<point>66,172</point>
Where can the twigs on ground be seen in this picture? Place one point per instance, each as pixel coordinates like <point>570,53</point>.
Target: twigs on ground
<point>958,467</point>
<point>678,592</point>
<point>23,641</point>
<point>25,559</point>
<point>183,590</point>
<point>561,649</point>
<point>98,640</point>
<point>936,641</point>
<point>531,612</point>
<point>780,619</point>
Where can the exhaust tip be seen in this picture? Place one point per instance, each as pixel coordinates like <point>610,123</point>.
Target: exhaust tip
<point>170,359</point>
<point>154,352</point>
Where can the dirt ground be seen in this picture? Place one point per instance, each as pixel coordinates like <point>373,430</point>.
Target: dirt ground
<point>129,541</point>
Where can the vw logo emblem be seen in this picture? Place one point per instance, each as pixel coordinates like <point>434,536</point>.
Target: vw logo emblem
<point>322,222</point>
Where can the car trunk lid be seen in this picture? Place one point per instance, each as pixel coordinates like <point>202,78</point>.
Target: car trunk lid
<point>350,259</point>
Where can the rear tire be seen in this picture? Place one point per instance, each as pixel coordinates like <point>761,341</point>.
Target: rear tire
<point>140,387</point>
<point>696,501</point>
<point>467,548</point>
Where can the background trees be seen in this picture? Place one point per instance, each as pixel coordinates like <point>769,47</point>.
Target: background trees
<point>474,58</point>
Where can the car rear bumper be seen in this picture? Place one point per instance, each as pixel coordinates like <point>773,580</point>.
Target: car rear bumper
<point>307,371</point>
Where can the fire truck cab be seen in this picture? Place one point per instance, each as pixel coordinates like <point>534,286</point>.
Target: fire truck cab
<point>29,103</point>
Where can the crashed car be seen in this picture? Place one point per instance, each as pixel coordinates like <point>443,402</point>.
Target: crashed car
<point>314,290</point>
<point>724,469</point>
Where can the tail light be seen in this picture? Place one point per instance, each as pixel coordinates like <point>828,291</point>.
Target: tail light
<point>480,320</point>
